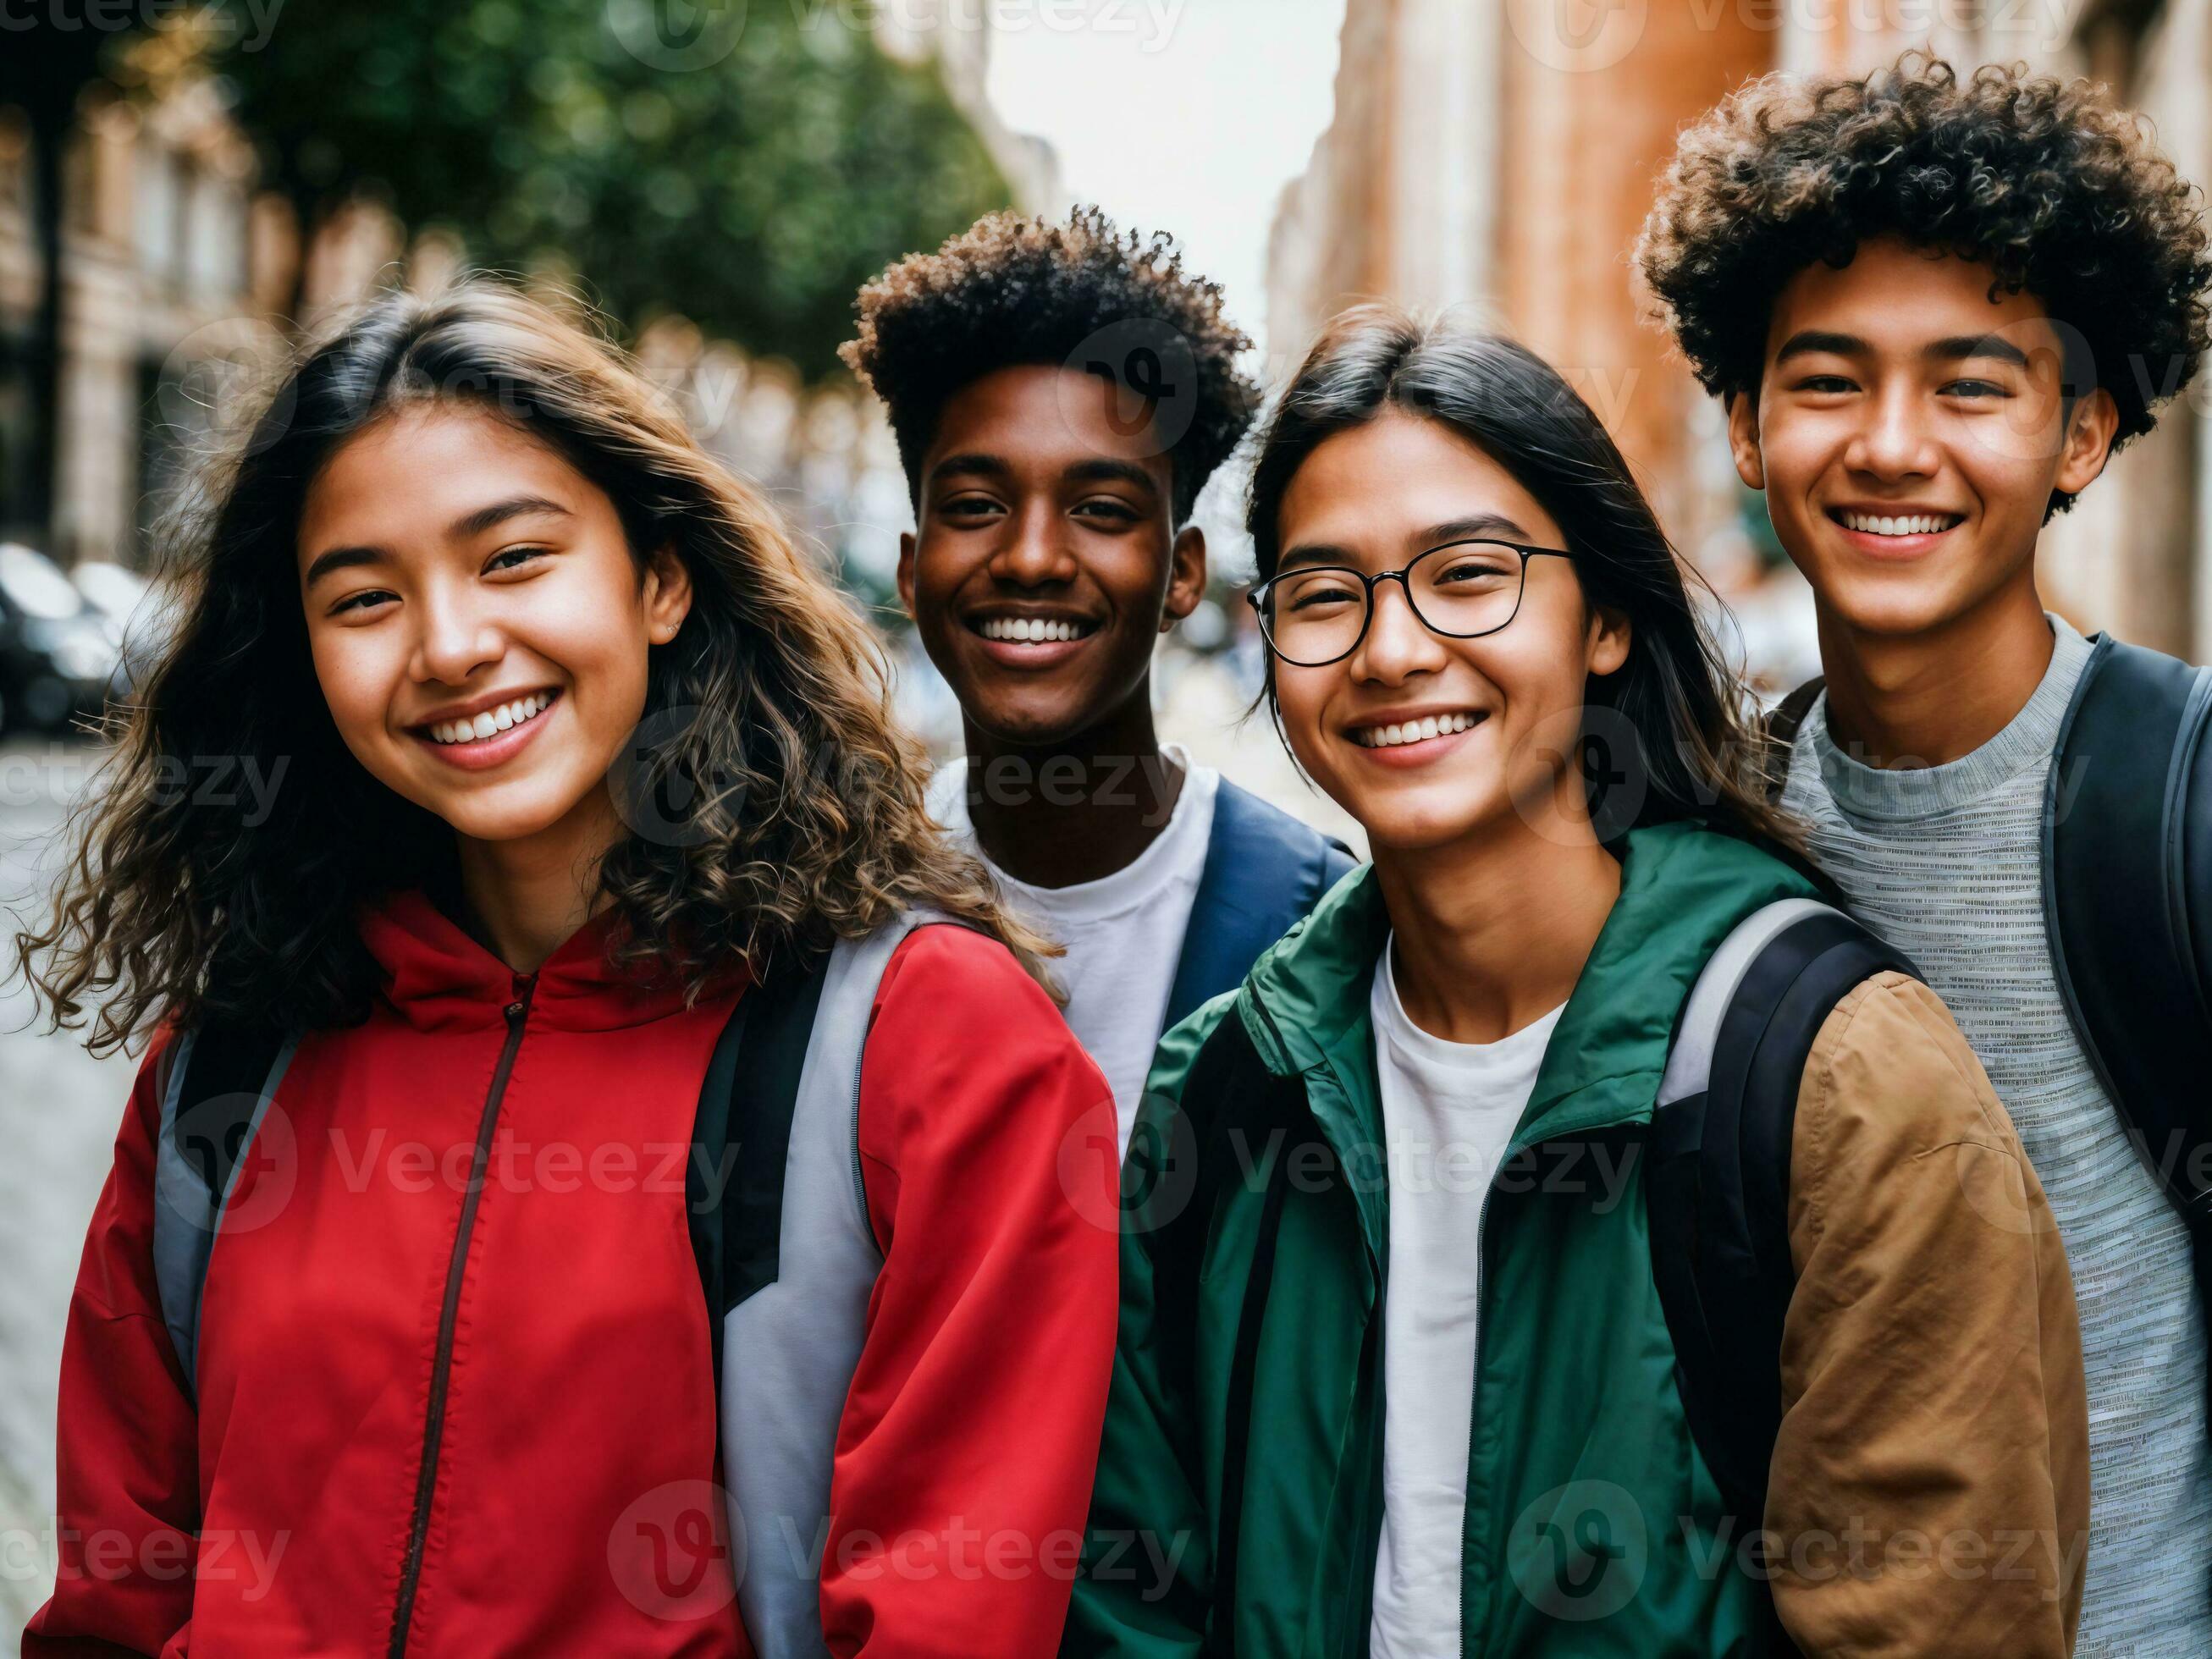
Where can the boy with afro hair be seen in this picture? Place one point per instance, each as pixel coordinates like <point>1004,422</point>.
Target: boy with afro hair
<point>1060,393</point>
<point>1934,307</point>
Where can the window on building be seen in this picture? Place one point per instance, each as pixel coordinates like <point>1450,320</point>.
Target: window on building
<point>216,230</point>
<point>14,161</point>
<point>153,227</point>
<point>15,437</point>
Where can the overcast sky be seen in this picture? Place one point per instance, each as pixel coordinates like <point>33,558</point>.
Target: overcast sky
<point>1180,115</point>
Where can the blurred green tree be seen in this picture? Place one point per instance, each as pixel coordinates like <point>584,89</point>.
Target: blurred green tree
<point>748,166</point>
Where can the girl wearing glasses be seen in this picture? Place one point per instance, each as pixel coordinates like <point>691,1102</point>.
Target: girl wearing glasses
<point>1396,1374</point>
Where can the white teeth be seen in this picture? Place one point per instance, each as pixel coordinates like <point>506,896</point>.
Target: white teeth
<point>1431,725</point>
<point>490,721</point>
<point>1916,524</point>
<point>1029,630</point>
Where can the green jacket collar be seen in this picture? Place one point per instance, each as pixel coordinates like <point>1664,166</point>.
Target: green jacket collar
<point>1683,887</point>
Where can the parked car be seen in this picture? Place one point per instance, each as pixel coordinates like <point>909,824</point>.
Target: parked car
<point>138,617</point>
<point>59,655</point>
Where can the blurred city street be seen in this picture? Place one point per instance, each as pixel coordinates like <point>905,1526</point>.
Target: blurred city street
<point>182,201</point>
<point>58,1111</point>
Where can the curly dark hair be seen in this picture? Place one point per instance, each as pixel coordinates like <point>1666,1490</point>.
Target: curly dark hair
<point>2046,183</point>
<point>1011,290</point>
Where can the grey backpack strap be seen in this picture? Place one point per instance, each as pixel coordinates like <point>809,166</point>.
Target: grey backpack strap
<point>792,1340</point>
<point>220,1084</point>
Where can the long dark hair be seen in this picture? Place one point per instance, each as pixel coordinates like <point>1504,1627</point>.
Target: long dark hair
<point>774,802</point>
<point>1668,735</point>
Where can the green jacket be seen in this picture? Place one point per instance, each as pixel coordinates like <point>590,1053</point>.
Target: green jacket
<point>1248,1374</point>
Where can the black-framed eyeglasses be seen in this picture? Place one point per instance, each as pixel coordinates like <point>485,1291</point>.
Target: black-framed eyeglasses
<point>1316,614</point>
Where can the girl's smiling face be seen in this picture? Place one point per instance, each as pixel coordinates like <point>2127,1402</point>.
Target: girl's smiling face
<point>476,618</point>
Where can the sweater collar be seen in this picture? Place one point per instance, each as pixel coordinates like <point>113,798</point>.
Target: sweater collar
<point>436,977</point>
<point>1900,793</point>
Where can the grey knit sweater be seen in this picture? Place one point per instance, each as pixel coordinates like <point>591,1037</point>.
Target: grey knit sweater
<point>1944,861</point>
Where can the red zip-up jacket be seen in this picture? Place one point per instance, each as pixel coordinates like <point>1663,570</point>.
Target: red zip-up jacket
<point>438,1413</point>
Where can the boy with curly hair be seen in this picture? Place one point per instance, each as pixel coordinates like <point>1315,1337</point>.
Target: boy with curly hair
<point>1059,392</point>
<point>1934,307</point>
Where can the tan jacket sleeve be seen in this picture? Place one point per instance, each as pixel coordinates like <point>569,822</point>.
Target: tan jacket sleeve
<point>1930,1492</point>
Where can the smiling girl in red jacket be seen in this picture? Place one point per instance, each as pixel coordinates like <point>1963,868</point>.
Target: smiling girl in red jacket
<point>580,1196</point>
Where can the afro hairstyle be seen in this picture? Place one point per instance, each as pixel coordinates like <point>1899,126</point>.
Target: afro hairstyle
<point>1012,291</point>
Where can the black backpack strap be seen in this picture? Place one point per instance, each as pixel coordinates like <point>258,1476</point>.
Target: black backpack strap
<point>1718,1186</point>
<point>2127,874</point>
<point>220,1081</point>
<point>734,1186</point>
<point>1234,1107</point>
<point>1264,870</point>
<point>1782,724</point>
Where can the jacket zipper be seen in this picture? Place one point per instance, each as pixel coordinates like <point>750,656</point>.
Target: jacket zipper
<point>1283,1053</point>
<point>433,1424</point>
<point>1481,1307</point>
<point>859,1175</point>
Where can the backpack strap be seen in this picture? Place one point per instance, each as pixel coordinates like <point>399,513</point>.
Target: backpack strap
<point>788,1261</point>
<point>221,1079</point>
<point>734,1186</point>
<point>1718,1187</point>
<point>1782,725</point>
<point>2127,893</point>
<point>1264,871</point>
<point>1236,1105</point>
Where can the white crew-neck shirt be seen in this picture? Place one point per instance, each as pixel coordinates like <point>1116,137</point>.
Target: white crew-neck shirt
<point>1448,1112</point>
<point>1124,931</point>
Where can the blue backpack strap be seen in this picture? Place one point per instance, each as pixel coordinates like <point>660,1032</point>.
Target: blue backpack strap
<point>1264,871</point>
<point>1717,1191</point>
<point>2127,875</point>
<point>221,1080</point>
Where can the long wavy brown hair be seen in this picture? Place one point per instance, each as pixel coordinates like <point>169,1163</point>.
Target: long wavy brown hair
<point>773,801</point>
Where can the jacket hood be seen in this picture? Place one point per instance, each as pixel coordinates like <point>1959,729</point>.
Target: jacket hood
<point>1683,889</point>
<point>436,977</point>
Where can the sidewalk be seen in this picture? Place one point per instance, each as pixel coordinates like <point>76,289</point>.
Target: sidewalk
<point>59,1112</point>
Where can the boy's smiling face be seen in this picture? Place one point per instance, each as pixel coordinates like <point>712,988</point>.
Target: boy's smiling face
<point>1047,562</point>
<point>1909,433</point>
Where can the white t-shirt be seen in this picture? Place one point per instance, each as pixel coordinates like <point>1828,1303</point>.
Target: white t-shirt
<point>1448,1112</point>
<point>1123,933</point>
